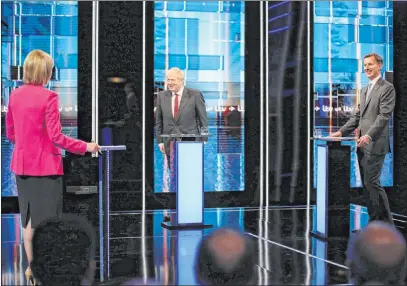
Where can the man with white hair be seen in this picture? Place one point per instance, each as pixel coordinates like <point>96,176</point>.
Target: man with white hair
<point>180,110</point>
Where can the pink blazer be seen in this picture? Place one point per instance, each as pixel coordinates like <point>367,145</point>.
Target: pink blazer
<point>33,126</point>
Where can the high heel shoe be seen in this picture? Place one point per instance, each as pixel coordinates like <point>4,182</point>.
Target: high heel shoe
<point>29,276</point>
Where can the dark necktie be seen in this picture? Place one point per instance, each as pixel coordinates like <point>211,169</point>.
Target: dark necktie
<point>176,106</point>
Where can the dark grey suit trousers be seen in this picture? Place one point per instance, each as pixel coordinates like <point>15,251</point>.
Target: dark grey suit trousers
<point>375,196</point>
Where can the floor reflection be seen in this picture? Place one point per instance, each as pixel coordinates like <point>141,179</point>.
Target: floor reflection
<point>140,247</point>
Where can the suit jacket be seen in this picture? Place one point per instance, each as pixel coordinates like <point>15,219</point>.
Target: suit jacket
<point>372,117</point>
<point>191,115</point>
<point>33,126</point>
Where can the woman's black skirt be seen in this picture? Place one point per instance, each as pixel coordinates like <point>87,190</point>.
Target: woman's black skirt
<point>39,198</point>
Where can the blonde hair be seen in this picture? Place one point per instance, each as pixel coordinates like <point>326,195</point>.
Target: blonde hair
<point>176,71</point>
<point>37,68</point>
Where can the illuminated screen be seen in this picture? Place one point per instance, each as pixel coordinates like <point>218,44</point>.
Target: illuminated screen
<point>345,31</point>
<point>206,41</point>
<point>52,27</point>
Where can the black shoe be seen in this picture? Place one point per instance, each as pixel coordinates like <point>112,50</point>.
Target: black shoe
<point>167,218</point>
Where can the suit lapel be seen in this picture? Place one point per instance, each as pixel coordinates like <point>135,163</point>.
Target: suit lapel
<point>372,93</point>
<point>184,99</point>
<point>363,93</point>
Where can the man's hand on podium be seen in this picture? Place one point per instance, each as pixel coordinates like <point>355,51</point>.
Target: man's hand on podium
<point>336,134</point>
<point>363,141</point>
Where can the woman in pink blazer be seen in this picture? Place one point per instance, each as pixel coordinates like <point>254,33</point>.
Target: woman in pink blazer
<point>33,126</point>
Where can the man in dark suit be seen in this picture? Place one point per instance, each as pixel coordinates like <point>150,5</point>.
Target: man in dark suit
<point>180,110</point>
<point>372,117</point>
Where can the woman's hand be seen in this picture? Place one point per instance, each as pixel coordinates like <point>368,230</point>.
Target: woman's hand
<point>92,147</point>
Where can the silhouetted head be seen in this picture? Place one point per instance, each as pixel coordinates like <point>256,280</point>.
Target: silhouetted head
<point>377,253</point>
<point>225,258</point>
<point>63,251</point>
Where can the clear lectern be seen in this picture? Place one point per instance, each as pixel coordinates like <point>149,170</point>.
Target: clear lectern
<point>187,181</point>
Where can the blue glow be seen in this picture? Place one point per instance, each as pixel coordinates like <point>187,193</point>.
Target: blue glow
<point>187,244</point>
<point>322,189</point>
<point>190,182</point>
<point>320,266</point>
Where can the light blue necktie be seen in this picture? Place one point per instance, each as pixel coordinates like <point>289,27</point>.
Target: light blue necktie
<point>369,89</point>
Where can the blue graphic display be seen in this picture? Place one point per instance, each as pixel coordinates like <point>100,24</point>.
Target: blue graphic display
<point>52,27</point>
<point>206,41</point>
<point>344,32</point>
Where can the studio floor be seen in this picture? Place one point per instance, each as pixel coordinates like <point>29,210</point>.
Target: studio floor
<point>140,247</point>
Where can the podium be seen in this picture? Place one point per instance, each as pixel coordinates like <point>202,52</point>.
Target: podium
<point>187,180</point>
<point>333,193</point>
<point>105,174</point>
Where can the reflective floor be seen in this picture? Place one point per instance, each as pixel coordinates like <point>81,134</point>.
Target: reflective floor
<point>140,247</point>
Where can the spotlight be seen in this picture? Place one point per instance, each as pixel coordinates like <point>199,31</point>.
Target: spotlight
<point>116,79</point>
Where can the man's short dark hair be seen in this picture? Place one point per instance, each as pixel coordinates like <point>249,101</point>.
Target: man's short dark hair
<point>377,57</point>
<point>211,270</point>
<point>62,249</point>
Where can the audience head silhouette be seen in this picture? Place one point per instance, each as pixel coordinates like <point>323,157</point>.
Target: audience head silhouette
<point>377,253</point>
<point>225,257</point>
<point>63,251</point>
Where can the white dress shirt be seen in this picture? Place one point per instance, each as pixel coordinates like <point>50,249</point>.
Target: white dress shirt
<point>179,99</point>
<point>373,81</point>
<point>372,84</point>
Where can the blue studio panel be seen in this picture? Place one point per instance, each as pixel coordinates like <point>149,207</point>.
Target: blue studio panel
<point>53,28</point>
<point>189,181</point>
<point>344,32</point>
<point>206,40</point>
<point>322,185</point>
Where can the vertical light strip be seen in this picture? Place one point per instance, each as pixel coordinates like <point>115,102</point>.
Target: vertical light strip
<point>261,256</point>
<point>267,109</point>
<point>358,50</point>
<point>15,35</point>
<point>95,72</point>
<point>265,233</point>
<point>20,37</point>
<point>52,32</point>
<point>143,216</point>
<point>186,48</point>
<point>107,213</point>
<point>143,120</point>
<point>167,43</point>
<point>261,104</point>
<point>51,38</point>
<point>309,179</point>
<point>330,62</point>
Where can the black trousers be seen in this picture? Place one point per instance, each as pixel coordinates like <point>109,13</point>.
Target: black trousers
<point>375,196</point>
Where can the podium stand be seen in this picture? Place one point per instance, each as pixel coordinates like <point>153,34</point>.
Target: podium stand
<point>104,206</point>
<point>187,180</point>
<point>333,193</point>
